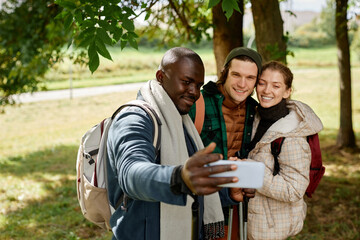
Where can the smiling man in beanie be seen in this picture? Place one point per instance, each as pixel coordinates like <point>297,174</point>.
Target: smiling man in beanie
<point>230,111</point>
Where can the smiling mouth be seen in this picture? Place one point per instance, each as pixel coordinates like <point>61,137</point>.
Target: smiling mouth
<point>239,91</point>
<point>266,98</point>
<point>190,100</point>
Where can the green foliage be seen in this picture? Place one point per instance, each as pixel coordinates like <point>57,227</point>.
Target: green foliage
<point>228,6</point>
<point>319,32</point>
<point>95,25</point>
<point>178,22</point>
<point>213,3</point>
<point>28,50</point>
<point>307,36</point>
<point>327,19</point>
<point>30,42</point>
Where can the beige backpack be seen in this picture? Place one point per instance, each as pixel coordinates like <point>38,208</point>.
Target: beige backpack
<point>91,167</point>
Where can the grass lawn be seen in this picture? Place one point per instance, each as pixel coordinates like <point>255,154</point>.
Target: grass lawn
<point>39,141</point>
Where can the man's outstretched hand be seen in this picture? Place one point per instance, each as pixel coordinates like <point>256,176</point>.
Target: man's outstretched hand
<point>196,173</point>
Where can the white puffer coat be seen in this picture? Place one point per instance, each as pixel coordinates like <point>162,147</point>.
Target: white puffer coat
<point>278,209</point>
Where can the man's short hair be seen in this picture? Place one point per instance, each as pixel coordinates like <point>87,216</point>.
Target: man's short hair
<point>174,54</point>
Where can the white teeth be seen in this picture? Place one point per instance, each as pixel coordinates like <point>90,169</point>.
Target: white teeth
<point>239,91</point>
<point>266,98</point>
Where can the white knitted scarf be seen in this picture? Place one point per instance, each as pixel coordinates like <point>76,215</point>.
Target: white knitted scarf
<point>176,220</point>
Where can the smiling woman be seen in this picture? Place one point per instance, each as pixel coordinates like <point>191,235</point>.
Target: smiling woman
<point>284,183</point>
<point>274,84</point>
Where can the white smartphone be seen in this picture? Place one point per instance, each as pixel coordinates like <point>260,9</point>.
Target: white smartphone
<point>250,174</point>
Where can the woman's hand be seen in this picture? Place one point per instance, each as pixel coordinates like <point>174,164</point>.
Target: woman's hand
<point>238,194</point>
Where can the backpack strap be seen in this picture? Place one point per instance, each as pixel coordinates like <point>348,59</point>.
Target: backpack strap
<point>275,151</point>
<point>153,115</point>
<point>157,135</point>
<point>200,113</point>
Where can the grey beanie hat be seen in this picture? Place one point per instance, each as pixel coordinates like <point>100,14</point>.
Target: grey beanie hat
<point>244,51</point>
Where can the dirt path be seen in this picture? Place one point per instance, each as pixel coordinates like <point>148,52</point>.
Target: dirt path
<point>80,92</point>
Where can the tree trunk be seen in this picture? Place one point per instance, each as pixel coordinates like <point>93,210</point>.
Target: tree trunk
<point>269,30</point>
<point>346,137</point>
<point>227,34</point>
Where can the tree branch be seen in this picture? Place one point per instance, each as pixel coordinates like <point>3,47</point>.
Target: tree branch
<point>182,18</point>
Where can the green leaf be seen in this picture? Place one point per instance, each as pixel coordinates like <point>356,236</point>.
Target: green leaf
<point>87,32</point>
<point>104,24</point>
<point>148,13</point>
<point>213,3</point>
<point>132,35</point>
<point>125,37</point>
<point>92,49</point>
<point>89,11</point>
<point>118,33</point>
<point>133,43</point>
<point>78,16</point>
<point>129,11</point>
<point>88,23</point>
<point>68,20</point>
<point>94,63</point>
<point>93,58</point>
<point>128,25</point>
<point>116,11</point>
<point>235,5</point>
<point>86,41</point>
<point>67,4</point>
<point>123,44</point>
<point>104,36</point>
<point>101,48</point>
<point>61,15</point>
<point>227,8</point>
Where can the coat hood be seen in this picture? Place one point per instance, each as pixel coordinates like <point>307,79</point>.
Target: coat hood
<point>301,121</point>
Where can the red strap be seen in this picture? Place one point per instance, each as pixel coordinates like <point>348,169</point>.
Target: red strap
<point>276,146</point>
<point>275,151</point>
<point>200,113</point>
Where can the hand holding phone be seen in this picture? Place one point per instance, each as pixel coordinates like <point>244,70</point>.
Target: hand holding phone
<point>250,174</point>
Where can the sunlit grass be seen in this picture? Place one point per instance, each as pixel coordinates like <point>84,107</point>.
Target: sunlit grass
<point>39,125</point>
<point>37,167</point>
<point>317,57</point>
